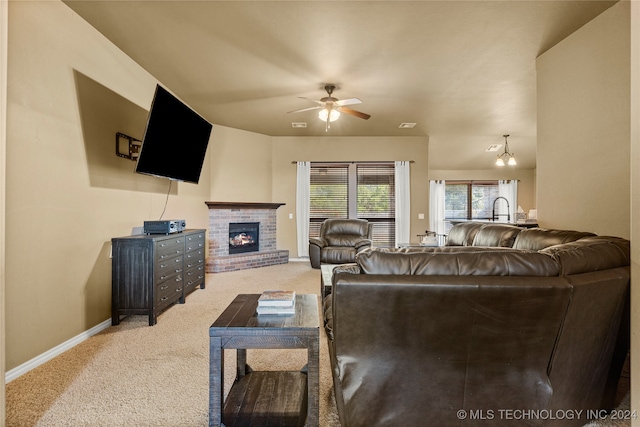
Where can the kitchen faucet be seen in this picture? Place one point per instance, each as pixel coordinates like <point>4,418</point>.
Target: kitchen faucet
<point>494,215</point>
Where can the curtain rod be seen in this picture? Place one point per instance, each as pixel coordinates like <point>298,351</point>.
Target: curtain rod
<point>337,162</point>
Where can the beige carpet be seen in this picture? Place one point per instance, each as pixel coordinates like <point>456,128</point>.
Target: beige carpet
<point>136,375</point>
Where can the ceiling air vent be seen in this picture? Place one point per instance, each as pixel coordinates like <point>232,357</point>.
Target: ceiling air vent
<point>493,147</point>
<point>407,125</point>
<point>298,125</point>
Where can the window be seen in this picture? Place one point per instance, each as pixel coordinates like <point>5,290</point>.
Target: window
<point>328,195</point>
<point>354,190</point>
<point>469,199</point>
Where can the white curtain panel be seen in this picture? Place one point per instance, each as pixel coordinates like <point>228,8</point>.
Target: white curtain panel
<point>436,207</point>
<point>403,202</point>
<point>508,190</point>
<point>302,207</point>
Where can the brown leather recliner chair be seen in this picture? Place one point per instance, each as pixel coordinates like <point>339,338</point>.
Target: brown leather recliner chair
<point>339,241</point>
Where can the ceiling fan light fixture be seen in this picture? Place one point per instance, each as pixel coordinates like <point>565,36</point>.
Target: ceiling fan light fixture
<point>329,113</point>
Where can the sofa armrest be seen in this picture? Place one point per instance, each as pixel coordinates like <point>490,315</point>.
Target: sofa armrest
<point>315,246</point>
<point>317,241</point>
<point>361,244</point>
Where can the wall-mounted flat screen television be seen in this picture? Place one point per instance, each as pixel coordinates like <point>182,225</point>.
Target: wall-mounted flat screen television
<point>175,140</point>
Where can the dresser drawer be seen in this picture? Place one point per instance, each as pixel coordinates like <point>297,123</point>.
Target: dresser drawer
<point>169,248</point>
<point>194,276</point>
<point>194,241</point>
<point>194,259</point>
<point>169,289</point>
<point>168,267</point>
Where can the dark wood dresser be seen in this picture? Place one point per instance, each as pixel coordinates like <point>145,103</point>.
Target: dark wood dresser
<point>152,272</point>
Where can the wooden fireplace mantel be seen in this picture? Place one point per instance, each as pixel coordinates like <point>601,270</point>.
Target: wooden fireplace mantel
<point>243,205</point>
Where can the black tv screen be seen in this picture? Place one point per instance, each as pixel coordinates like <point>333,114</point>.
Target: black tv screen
<point>175,140</point>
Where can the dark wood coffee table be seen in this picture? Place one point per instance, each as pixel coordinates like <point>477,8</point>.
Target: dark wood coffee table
<point>289,398</point>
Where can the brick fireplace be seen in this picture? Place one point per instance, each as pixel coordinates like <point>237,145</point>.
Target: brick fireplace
<point>221,214</point>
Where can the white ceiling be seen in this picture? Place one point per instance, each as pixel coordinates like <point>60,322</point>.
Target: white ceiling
<point>464,71</point>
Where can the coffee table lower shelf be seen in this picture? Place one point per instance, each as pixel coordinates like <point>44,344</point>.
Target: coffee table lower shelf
<point>267,398</point>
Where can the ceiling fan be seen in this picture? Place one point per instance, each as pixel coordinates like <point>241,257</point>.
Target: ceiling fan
<point>330,107</point>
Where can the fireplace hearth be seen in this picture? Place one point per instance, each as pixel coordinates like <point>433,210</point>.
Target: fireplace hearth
<point>244,237</point>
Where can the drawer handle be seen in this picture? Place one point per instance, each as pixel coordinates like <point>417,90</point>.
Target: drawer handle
<point>163,277</point>
<point>179,290</point>
<point>162,288</point>
<point>163,265</point>
<point>164,298</point>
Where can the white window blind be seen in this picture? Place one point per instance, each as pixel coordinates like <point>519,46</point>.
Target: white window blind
<point>376,200</point>
<point>328,195</point>
<point>354,190</point>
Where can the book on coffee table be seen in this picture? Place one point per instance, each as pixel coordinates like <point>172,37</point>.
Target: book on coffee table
<point>276,310</point>
<point>277,302</point>
<point>277,299</point>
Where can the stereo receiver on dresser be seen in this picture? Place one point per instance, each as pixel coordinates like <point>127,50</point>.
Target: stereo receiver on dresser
<point>168,226</point>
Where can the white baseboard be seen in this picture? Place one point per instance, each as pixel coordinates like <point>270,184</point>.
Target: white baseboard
<point>50,354</point>
<point>301,259</point>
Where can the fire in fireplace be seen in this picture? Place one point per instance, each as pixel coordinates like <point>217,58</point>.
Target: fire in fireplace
<point>244,237</point>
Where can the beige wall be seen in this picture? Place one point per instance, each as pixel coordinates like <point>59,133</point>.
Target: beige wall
<point>240,166</point>
<point>587,92</point>
<point>4,20</point>
<point>290,149</point>
<point>583,128</point>
<point>68,194</point>
<point>525,177</point>
<point>635,206</point>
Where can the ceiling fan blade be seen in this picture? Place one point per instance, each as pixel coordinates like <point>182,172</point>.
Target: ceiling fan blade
<point>353,112</point>
<point>305,109</point>
<point>349,101</point>
<point>312,100</point>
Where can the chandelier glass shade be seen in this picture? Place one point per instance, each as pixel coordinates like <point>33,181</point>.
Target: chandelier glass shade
<point>329,113</point>
<point>506,158</point>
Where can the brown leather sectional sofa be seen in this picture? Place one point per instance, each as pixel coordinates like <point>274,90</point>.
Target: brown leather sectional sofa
<point>502,327</point>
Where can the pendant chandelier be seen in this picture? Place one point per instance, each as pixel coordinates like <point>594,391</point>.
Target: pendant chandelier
<point>506,157</point>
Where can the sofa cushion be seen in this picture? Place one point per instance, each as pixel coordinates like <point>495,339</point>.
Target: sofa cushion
<point>338,254</point>
<point>496,235</point>
<point>535,239</point>
<point>463,233</point>
<point>344,232</point>
<point>590,254</point>
<point>478,261</point>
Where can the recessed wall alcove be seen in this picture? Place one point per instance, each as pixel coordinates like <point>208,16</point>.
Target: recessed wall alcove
<point>221,214</point>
